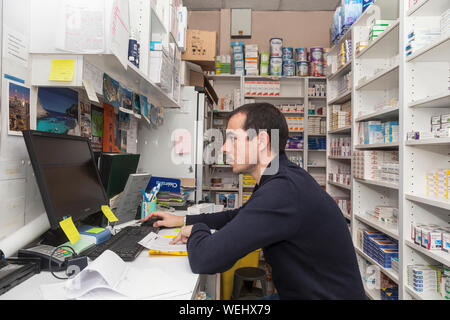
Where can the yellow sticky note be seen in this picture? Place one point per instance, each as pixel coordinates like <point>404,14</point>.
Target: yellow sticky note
<point>177,230</point>
<point>109,214</point>
<point>70,230</point>
<point>95,230</point>
<point>62,70</point>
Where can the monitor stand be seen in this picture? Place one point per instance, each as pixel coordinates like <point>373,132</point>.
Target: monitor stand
<point>54,237</point>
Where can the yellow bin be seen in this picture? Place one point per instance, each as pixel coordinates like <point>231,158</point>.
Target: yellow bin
<point>227,277</point>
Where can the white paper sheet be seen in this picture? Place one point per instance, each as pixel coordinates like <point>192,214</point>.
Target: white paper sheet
<point>110,273</point>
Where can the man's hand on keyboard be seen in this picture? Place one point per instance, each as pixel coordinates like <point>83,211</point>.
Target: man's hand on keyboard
<point>167,219</point>
<point>183,236</point>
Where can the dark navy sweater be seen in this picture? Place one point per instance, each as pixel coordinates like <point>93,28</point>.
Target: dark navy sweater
<point>303,234</point>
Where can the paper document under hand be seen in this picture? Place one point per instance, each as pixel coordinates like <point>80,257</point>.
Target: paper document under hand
<point>160,243</point>
<point>110,272</point>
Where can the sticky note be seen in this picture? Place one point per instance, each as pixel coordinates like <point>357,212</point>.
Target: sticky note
<point>95,230</point>
<point>177,230</point>
<point>169,236</point>
<point>70,230</point>
<point>62,70</point>
<point>109,214</point>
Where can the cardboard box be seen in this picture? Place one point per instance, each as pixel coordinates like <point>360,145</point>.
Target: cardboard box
<point>201,48</point>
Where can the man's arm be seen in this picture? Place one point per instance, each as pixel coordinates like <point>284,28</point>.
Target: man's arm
<point>264,220</point>
<point>213,220</point>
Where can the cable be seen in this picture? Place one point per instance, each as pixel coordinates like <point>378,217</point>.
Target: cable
<point>50,261</point>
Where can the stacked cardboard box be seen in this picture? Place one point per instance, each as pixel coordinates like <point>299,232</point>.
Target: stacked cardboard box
<point>251,60</point>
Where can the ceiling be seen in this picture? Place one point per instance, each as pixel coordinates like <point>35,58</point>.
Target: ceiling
<point>263,5</point>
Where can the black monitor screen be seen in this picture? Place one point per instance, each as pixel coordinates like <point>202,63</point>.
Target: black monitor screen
<point>66,174</point>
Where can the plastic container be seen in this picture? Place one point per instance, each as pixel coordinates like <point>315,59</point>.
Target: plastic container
<point>227,277</point>
<point>276,45</point>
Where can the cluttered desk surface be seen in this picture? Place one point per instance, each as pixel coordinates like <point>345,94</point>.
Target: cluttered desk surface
<point>160,277</point>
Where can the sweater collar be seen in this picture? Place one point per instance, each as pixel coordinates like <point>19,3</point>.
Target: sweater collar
<point>282,160</point>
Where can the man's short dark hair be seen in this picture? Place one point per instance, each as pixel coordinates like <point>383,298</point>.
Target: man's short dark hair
<point>264,116</point>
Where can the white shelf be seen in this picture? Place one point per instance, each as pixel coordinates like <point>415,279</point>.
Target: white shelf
<point>378,225</point>
<point>313,97</point>
<point>382,80</point>
<point>317,150</point>
<point>387,271</point>
<point>378,183</point>
<point>223,77</point>
<point>429,201</point>
<point>436,51</point>
<point>294,150</point>
<point>347,129</point>
<point>132,74</point>
<point>428,142</point>
<point>274,97</point>
<point>392,145</point>
<point>387,41</point>
<point>423,296</point>
<point>340,185</point>
<point>341,70</point>
<point>440,256</point>
<point>339,158</point>
<point>317,116</point>
<point>436,101</point>
<point>428,8</point>
<point>220,189</point>
<point>379,115</point>
<point>372,294</point>
<point>346,96</point>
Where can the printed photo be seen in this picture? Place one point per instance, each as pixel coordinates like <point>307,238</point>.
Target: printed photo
<point>57,111</point>
<point>19,108</point>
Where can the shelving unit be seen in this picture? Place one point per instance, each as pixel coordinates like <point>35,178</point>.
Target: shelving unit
<point>424,85</point>
<point>389,86</point>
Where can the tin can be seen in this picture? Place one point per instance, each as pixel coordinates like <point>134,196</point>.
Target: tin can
<point>276,66</point>
<point>316,54</point>
<point>276,45</point>
<point>316,69</point>
<point>301,55</point>
<point>288,53</point>
<point>302,68</point>
<point>289,67</point>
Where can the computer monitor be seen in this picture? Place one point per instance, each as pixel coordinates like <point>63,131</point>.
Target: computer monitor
<point>115,168</point>
<point>66,174</point>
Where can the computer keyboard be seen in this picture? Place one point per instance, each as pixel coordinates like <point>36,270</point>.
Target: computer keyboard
<point>124,243</point>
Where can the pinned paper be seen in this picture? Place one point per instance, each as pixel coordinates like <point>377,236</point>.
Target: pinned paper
<point>90,91</point>
<point>95,230</point>
<point>62,70</point>
<point>70,230</point>
<point>109,214</point>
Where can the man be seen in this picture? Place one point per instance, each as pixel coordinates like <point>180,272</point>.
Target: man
<point>300,228</point>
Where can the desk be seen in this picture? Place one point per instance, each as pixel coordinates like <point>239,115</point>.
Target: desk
<point>176,266</point>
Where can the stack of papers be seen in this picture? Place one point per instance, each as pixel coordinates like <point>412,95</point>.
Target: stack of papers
<point>109,277</point>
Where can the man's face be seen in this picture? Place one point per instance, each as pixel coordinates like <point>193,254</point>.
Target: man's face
<point>241,153</point>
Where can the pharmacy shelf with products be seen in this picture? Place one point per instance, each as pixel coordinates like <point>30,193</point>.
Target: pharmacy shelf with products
<point>425,112</point>
<point>375,143</point>
<point>221,185</point>
<point>399,88</point>
<point>295,83</point>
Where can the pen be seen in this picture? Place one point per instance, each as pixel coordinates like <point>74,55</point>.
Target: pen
<point>145,195</point>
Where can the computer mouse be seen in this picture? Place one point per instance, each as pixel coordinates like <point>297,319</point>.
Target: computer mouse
<point>150,222</point>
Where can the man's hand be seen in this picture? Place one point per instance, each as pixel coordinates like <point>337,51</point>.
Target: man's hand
<point>183,236</point>
<point>168,220</point>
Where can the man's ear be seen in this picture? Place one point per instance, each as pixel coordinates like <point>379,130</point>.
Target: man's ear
<point>263,140</point>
